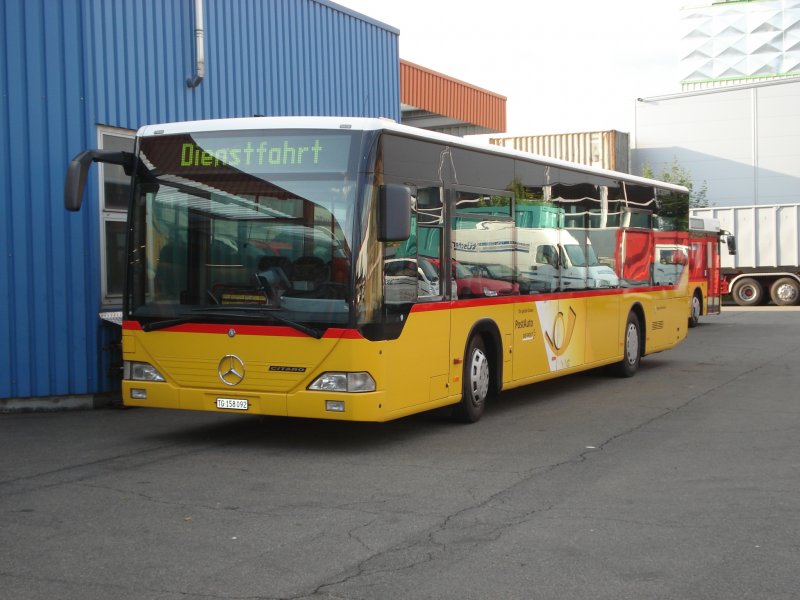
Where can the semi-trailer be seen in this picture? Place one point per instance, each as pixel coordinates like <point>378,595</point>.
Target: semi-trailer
<point>766,265</point>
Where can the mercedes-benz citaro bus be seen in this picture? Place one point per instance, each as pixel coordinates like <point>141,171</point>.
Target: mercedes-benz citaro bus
<point>303,266</point>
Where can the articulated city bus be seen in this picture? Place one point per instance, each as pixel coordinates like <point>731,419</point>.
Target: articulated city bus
<point>357,269</point>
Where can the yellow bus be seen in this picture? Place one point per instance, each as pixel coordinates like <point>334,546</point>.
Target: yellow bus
<point>358,269</point>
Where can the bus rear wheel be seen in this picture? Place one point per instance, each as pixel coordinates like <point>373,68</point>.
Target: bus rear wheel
<point>475,383</point>
<point>629,364</point>
<point>697,310</point>
<point>785,292</point>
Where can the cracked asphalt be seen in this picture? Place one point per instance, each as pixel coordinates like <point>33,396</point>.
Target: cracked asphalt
<point>681,483</point>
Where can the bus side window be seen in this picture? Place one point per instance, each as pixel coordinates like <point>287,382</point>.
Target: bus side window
<point>483,245</point>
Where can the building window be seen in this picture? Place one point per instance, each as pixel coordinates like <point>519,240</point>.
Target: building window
<point>114,193</point>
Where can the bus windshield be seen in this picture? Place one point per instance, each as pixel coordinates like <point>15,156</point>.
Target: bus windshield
<point>243,227</point>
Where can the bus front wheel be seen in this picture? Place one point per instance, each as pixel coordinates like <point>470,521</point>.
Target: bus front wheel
<point>475,385</point>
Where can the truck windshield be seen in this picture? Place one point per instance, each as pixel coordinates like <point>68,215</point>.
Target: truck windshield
<point>243,227</point>
<point>576,255</point>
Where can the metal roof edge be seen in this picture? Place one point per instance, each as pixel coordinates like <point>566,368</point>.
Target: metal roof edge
<point>248,123</point>
<point>358,15</point>
<point>721,89</point>
<point>794,205</point>
<point>451,79</point>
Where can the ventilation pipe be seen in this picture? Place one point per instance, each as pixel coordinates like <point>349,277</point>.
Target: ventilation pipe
<point>200,50</point>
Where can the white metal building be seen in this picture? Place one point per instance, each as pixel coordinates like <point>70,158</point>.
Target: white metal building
<point>737,41</point>
<point>736,125</point>
<point>743,141</point>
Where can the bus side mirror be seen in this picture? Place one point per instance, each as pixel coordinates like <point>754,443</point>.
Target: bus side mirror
<point>731,241</point>
<point>394,213</point>
<point>78,168</point>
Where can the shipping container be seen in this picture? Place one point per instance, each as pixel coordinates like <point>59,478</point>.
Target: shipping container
<point>603,149</point>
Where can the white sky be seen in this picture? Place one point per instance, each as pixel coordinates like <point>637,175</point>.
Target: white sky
<point>564,65</point>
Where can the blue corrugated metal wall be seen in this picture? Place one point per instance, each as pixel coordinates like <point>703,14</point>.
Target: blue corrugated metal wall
<point>68,66</point>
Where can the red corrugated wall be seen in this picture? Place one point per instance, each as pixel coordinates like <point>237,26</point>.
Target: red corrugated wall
<point>440,94</point>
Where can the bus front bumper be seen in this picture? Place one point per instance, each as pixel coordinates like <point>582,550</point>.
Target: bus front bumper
<point>365,406</point>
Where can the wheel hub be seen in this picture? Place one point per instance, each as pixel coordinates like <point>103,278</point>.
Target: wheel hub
<point>695,308</point>
<point>787,293</point>
<point>631,344</point>
<point>479,376</point>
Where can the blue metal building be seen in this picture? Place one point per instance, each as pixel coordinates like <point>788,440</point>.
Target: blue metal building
<point>75,74</point>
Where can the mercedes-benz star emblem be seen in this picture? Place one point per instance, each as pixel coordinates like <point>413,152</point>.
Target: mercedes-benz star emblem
<point>231,370</point>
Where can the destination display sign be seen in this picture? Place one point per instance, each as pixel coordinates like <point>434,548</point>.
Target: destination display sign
<point>256,153</point>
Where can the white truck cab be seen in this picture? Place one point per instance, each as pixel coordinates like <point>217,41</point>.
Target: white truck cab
<point>556,252</point>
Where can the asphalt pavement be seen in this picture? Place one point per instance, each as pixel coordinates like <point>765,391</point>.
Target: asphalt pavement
<point>680,483</point>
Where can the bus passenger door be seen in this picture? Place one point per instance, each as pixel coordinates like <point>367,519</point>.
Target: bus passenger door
<point>530,357</point>
<point>602,303</point>
<point>413,274</point>
<point>563,319</point>
<point>714,299</point>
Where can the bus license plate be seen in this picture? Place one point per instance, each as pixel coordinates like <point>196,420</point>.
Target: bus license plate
<point>232,403</point>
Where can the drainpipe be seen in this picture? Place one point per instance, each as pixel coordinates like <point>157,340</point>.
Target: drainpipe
<point>200,51</point>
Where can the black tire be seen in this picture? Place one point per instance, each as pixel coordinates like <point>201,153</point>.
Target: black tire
<point>785,291</point>
<point>629,364</point>
<point>747,292</point>
<point>696,309</point>
<point>476,381</point>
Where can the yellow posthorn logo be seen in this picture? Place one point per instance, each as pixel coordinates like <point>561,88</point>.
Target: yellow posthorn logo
<point>562,334</point>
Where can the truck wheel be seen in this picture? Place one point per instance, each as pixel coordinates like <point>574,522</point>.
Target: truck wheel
<point>697,309</point>
<point>476,379</point>
<point>747,292</point>
<point>785,291</point>
<point>629,364</point>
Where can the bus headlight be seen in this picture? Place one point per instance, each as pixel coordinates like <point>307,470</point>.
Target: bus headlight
<point>343,382</point>
<point>140,371</point>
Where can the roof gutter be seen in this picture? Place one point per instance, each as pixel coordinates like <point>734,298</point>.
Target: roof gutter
<point>200,51</point>
<point>721,89</point>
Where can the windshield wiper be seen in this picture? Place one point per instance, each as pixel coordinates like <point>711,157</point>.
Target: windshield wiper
<point>234,313</point>
<point>229,311</point>
<point>155,325</point>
